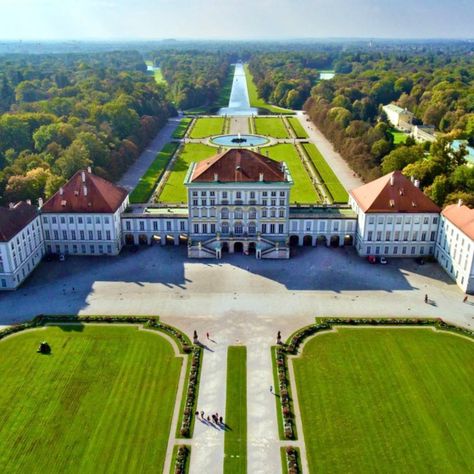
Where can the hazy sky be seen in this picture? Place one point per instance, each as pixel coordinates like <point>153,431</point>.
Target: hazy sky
<point>234,19</point>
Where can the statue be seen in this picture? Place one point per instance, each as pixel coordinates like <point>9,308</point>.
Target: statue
<point>44,348</point>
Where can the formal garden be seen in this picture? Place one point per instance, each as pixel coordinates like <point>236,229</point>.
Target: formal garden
<point>271,127</point>
<point>78,395</point>
<point>378,397</point>
<point>204,127</point>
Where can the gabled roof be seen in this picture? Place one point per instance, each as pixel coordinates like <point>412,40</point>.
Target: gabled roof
<point>238,165</point>
<point>87,193</point>
<point>392,193</point>
<point>462,217</point>
<point>14,219</point>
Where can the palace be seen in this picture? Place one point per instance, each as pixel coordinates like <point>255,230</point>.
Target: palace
<point>238,201</point>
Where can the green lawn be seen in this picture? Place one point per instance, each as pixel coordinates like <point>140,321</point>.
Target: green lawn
<point>398,137</point>
<point>224,94</point>
<point>387,400</point>
<point>334,186</point>
<point>147,183</point>
<point>271,127</point>
<point>302,190</point>
<point>174,190</point>
<point>182,128</point>
<point>299,130</point>
<point>102,401</point>
<point>256,101</point>
<point>207,126</point>
<point>235,441</point>
<point>157,73</point>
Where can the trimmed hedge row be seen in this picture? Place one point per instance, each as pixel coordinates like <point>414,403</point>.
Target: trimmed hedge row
<point>292,455</point>
<point>181,463</point>
<point>289,431</point>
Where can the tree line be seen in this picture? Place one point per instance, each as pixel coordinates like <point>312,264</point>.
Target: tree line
<point>60,113</point>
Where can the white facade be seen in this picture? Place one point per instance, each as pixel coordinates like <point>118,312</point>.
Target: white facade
<point>455,253</point>
<point>398,117</point>
<point>394,234</point>
<point>83,233</point>
<point>20,255</point>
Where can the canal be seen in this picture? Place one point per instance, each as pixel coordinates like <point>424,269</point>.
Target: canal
<point>239,103</point>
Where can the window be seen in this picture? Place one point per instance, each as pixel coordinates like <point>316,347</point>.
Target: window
<point>79,220</point>
<point>423,236</point>
<point>127,225</point>
<point>435,220</point>
<point>203,202</point>
<point>413,249</point>
<point>252,194</point>
<point>56,235</point>
<point>168,225</point>
<point>101,249</point>
<point>385,250</point>
<point>203,193</point>
<point>281,213</point>
<point>225,228</point>
<point>264,202</point>
<point>91,235</point>
<point>224,195</point>
<point>272,228</point>
<point>273,212</point>
<point>195,193</point>
<point>238,228</point>
<point>195,212</point>
<point>405,235</point>
<point>71,220</point>
<point>371,219</point>
<point>53,220</point>
<point>155,225</point>
<point>407,220</point>
<point>238,214</point>
<point>195,202</point>
<point>4,283</point>
<point>109,249</point>
<point>238,195</point>
<point>369,236</point>
<point>204,228</point>
<point>335,226</point>
<point>416,220</point>
<point>182,225</point>
<point>282,202</point>
<point>107,235</point>
<point>397,236</point>
<point>252,228</point>
<point>63,220</point>
<point>415,235</point>
<point>433,236</point>
<point>264,228</point>
<point>106,220</point>
<point>196,228</point>
<point>47,234</point>
<point>388,235</point>
<point>142,225</point>
<point>224,213</point>
<point>398,220</point>
<point>99,235</point>
<point>264,212</point>
<point>380,220</point>
<point>64,235</point>
<point>81,234</point>
<point>273,202</point>
<point>89,220</point>
<point>426,220</point>
<point>280,228</point>
<point>368,250</point>
<point>45,220</point>
<point>213,228</point>
<point>92,248</point>
<point>389,220</point>
<point>83,248</point>
<point>282,193</point>
<point>74,249</point>
<point>395,250</point>
<point>252,213</point>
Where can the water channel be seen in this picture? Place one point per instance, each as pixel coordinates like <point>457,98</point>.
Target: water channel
<point>239,103</point>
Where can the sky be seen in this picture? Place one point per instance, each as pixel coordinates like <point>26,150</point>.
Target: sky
<point>234,19</point>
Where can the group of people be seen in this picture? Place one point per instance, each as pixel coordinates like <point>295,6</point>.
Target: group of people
<point>218,420</point>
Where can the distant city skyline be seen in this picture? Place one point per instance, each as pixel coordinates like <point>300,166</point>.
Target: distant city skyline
<point>234,19</point>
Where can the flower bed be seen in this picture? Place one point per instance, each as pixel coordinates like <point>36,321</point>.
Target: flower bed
<point>291,459</point>
<point>181,456</point>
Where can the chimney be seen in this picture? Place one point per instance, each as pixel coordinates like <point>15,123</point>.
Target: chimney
<point>216,177</point>
<point>85,190</point>
<point>61,191</point>
<point>460,202</point>
<point>11,205</point>
<point>28,201</point>
<point>417,183</point>
<point>260,177</point>
<point>412,179</point>
<point>89,169</point>
<point>401,192</point>
<point>83,175</point>
<point>392,180</point>
<point>40,203</point>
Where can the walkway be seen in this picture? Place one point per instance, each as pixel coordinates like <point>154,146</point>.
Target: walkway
<point>239,124</point>
<point>347,177</point>
<point>130,179</point>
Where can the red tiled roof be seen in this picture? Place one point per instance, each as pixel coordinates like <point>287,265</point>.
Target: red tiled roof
<point>462,217</point>
<point>88,193</point>
<point>14,219</point>
<point>392,193</point>
<point>238,165</point>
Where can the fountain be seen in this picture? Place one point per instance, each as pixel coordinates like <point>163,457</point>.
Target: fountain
<point>238,139</point>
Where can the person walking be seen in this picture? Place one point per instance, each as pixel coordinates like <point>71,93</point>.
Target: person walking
<point>207,335</point>
<point>271,389</point>
<point>426,298</point>
<point>202,414</point>
<point>465,299</point>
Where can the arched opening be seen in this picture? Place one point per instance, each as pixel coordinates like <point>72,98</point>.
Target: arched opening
<point>225,247</point>
<point>252,247</point>
<point>307,240</point>
<point>348,240</point>
<point>238,247</point>
<point>321,240</point>
<point>143,239</point>
<point>334,242</point>
<point>129,240</point>
<point>169,240</point>
<point>294,240</point>
<point>156,239</point>
<point>183,239</point>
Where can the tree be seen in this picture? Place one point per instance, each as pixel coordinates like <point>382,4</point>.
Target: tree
<point>445,157</point>
<point>402,156</point>
<point>439,189</point>
<point>74,158</point>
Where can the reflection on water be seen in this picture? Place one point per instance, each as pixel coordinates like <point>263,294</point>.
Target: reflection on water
<point>239,103</point>
<point>325,75</point>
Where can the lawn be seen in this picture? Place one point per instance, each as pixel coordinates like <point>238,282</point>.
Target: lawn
<point>271,127</point>
<point>302,190</point>
<point>387,400</point>
<point>398,137</point>
<point>159,79</point>
<point>235,441</point>
<point>182,128</point>
<point>256,101</point>
<point>147,183</point>
<point>207,126</point>
<point>224,93</point>
<point>299,130</point>
<point>103,400</point>
<point>174,190</point>
<point>334,186</point>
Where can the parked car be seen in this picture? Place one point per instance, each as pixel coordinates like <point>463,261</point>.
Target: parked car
<point>372,259</point>
<point>383,261</point>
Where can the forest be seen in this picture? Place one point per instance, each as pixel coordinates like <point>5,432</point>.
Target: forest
<point>63,112</point>
<point>437,88</point>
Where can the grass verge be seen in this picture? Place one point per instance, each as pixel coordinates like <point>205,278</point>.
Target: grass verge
<point>334,186</point>
<point>174,190</point>
<point>271,127</point>
<point>147,183</point>
<point>207,126</point>
<point>235,441</point>
<point>182,128</point>
<point>299,130</point>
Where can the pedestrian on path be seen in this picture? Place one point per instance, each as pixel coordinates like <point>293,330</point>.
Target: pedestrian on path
<point>465,299</point>
<point>197,413</point>
<point>220,420</point>
<point>207,335</point>
<point>271,389</point>
<point>426,298</point>
<point>202,414</point>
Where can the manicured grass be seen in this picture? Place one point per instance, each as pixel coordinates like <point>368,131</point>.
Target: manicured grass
<point>302,190</point>
<point>182,128</point>
<point>207,126</point>
<point>398,137</point>
<point>147,183</point>
<point>235,441</point>
<point>104,397</point>
<point>256,101</point>
<point>174,190</point>
<point>159,79</point>
<point>334,186</point>
<point>299,130</point>
<point>387,400</point>
<point>271,127</point>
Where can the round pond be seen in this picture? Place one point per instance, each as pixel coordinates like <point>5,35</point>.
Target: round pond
<point>240,140</point>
